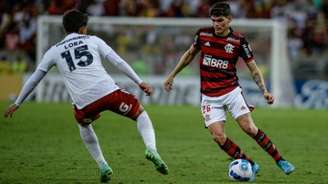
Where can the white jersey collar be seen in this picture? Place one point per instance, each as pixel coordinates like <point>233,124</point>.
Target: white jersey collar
<point>71,35</point>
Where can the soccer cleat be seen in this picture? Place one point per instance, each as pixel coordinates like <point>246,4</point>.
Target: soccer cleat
<point>160,165</point>
<point>286,166</point>
<point>255,169</point>
<point>105,174</point>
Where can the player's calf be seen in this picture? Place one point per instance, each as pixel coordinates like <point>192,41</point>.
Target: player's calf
<point>267,145</point>
<point>234,151</point>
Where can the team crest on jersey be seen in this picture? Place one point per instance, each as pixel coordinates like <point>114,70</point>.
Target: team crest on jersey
<point>229,48</point>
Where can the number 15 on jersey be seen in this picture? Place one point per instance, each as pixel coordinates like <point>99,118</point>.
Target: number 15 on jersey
<point>82,57</point>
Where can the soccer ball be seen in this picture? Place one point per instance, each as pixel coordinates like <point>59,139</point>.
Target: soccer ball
<point>240,170</point>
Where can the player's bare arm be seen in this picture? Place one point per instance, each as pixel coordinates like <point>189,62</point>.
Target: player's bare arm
<point>186,58</point>
<point>259,80</point>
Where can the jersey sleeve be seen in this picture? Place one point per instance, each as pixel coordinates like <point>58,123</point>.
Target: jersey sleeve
<point>103,47</point>
<point>245,51</point>
<point>196,42</point>
<point>47,61</point>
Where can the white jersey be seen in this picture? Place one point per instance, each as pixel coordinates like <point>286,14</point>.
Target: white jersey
<point>78,59</point>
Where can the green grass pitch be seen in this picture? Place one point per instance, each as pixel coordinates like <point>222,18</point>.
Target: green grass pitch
<point>41,144</point>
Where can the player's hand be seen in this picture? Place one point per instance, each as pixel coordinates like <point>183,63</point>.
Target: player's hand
<point>10,110</point>
<point>268,97</point>
<point>168,83</point>
<point>146,88</point>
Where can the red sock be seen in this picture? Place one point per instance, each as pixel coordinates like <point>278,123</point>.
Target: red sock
<point>234,151</point>
<point>265,142</point>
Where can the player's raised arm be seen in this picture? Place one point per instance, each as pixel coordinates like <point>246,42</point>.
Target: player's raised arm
<point>185,59</point>
<point>258,78</point>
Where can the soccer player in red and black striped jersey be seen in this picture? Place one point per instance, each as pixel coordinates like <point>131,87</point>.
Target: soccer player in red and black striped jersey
<point>220,48</point>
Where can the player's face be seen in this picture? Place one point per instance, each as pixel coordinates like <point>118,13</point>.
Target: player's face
<point>221,24</point>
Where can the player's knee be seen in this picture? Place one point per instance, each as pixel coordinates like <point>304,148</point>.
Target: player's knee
<point>89,139</point>
<point>84,123</point>
<point>219,137</point>
<point>86,136</point>
<point>137,113</point>
<point>250,129</point>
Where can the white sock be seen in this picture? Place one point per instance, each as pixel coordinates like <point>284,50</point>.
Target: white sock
<point>91,142</point>
<point>146,130</point>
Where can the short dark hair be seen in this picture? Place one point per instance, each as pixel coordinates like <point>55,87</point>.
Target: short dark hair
<point>73,20</point>
<point>220,9</point>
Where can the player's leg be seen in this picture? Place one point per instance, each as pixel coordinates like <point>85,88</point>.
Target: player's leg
<point>127,105</point>
<point>243,117</point>
<point>214,115</point>
<point>84,118</point>
<point>237,106</point>
<point>90,140</point>
<point>247,124</point>
<point>216,129</point>
<point>146,130</point>
<point>232,149</point>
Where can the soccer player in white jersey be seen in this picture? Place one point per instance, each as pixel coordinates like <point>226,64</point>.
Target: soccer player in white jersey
<point>92,90</point>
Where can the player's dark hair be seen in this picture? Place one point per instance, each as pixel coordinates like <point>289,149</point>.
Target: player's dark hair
<point>73,20</point>
<point>220,9</point>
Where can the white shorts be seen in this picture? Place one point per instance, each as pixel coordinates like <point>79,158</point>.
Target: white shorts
<point>213,108</point>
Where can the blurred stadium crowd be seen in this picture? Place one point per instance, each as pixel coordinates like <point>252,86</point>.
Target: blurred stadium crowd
<point>307,25</point>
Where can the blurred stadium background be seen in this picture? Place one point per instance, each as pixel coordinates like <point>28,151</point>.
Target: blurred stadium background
<point>153,48</point>
<point>41,143</point>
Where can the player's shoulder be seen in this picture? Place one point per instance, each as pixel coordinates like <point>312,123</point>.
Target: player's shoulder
<point>205,30</point>
<point>51,51</point>
<point>97,40</point>
<point>238,35</point>
<point>95,37</point>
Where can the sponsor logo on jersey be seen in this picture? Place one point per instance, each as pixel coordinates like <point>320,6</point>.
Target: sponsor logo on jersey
<point>247,50</point>
<point>216,63</point>
<point>71,39</point>
<point>229,48</point>
<point>196,39</point>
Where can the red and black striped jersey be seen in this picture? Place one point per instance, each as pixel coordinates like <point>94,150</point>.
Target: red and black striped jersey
<point>218,59</point>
